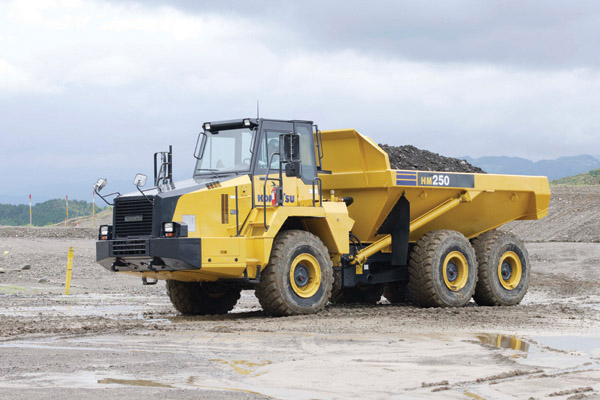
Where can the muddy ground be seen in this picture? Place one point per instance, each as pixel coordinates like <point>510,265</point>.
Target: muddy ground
<point>115,337</point>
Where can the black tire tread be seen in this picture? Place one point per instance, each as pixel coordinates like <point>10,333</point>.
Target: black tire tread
<point>267,290</point>
<point>484,295</point>
<point>190,298</point>
<point>421,264</point>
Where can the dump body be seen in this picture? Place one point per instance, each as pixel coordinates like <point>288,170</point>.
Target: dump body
<point>360,169</point>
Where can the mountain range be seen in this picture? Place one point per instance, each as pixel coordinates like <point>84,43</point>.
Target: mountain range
<point>553,169</point>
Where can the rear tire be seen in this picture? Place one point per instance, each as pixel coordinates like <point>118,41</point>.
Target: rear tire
<point>299,276</point>
<point>202,298</point>
<point>503,269</point>
<point>443,269</point>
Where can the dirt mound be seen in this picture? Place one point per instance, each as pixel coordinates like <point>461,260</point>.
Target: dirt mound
<point>573,216</point>
<point>410,157</point>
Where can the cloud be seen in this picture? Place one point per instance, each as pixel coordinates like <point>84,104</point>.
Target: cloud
<point>116,81</point>
<point>16,80</point>
<point>551,34</point>
<point>107,71</point>
<point>49,14</point>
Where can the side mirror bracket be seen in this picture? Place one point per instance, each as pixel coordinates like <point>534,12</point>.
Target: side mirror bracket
<point>98,186</point>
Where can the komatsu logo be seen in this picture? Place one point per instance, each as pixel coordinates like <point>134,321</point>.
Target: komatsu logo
<point>287,198</point>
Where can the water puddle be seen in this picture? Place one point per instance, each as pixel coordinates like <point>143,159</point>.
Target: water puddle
<point>190,382</point>
<point>566,352</point>
<point>112,311</point>
<point>587,345</point>
<point>505,342</point>
<point>133,382</point>
<point>242,367</point>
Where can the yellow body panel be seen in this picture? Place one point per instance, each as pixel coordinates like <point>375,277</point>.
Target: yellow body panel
<point>226,255</point>
<point>361,169</point>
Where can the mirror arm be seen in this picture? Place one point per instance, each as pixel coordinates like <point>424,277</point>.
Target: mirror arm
<point>144,194</point>
<point>102,197</point>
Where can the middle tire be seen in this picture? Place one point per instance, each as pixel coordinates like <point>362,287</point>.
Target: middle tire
<point>299,276</point>
<point>443,269</point>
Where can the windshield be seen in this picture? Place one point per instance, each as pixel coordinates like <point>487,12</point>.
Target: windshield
<point>226,151</point>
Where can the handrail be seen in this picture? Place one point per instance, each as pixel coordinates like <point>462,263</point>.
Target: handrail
<point>320,187</point>
<point>163,173</point>
<point>280,179</point>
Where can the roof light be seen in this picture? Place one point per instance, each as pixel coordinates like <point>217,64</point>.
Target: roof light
<point>246,122</point>
<point>207,126</point>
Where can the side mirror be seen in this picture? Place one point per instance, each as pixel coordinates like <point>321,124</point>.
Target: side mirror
<point>140,180</point>
<point>289,150</point>
<point>200,145</point>
<point>100,183</point>
<point>289,147</point>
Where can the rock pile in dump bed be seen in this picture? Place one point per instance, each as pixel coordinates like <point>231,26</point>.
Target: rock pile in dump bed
<point>410,157</point>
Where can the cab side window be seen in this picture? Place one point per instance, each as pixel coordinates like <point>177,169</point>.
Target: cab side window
<point>268,146</point>
<point>307,152</point>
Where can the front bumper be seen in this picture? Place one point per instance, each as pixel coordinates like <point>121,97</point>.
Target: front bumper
<point>149,254</point>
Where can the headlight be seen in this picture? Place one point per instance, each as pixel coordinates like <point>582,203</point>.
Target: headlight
<point>104,232</point>
<point>168,229</point>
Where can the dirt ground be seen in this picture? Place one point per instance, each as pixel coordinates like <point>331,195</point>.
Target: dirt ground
<point>115,337</point>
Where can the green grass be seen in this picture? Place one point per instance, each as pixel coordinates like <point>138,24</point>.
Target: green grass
<point>589,178</point>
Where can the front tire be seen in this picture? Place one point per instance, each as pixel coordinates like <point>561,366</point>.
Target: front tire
<point>503,269</point>
<point>202,298</point>
<point>443,270</point>
<point>299,276</point>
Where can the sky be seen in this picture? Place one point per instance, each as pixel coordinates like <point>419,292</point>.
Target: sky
<point>92,89</point>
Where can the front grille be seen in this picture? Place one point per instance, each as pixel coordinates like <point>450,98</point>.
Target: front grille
<point>133,217</point>
<point>130,247</point>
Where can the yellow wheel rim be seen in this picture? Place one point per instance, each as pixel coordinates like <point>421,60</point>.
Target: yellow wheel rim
<point>510,270</point>
<point>455,271</point>
<point>305,275</point>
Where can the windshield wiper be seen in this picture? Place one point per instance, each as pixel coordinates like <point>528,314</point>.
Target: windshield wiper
<point>211,170</point>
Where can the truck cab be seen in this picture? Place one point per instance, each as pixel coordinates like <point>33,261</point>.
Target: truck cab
<point>253,178</point>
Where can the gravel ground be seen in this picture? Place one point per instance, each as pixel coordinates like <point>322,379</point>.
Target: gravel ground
<point>573,216</point>
<point>115,335</point>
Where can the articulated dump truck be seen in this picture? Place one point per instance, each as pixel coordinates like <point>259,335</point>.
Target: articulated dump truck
<point>305,217</point>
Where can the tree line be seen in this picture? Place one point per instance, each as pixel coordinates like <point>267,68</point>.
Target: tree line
<point>46,213</point>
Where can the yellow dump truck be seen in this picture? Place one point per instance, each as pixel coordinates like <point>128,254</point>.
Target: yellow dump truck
<point>305,217</point>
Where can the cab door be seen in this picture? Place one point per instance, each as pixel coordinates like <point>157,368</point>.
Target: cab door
<point>296,190</point>
<point>267,160</point>
<point>307,186</point>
